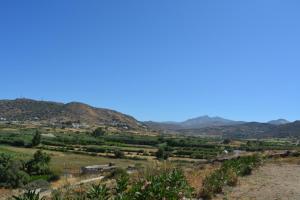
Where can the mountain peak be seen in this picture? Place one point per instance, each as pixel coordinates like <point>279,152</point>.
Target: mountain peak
<point>278,122</point>
<point>207,121</point>
<point>194,123</point>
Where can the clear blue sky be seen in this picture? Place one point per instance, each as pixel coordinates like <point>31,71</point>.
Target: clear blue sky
<point>155,59</point>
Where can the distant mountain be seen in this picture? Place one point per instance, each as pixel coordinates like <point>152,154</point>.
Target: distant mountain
<point>163,126</point>
<point>278,122</point>
<point>284,130</point>
<point>53,112</point>
<point>206,121</point>
<point>194,123</point>
<point>248,130</point>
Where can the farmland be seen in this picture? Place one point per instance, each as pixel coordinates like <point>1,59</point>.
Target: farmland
<point>198,157</point>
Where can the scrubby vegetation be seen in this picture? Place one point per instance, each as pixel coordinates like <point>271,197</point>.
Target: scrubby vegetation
<point>29,195</point>
<point>98,132</point>
<point>15,172</point>
<point>161,184</point>
<point>227,174</point>
<point>118,154</point>
<point>169,184</point>
<point>12,172</point>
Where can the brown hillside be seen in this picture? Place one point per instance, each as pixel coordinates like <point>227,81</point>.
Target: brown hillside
<point>31,110</point>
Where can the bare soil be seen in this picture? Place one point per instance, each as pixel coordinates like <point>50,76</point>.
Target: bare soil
<point>272,181</point>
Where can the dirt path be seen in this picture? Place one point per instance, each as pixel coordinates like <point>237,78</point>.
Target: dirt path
<point>5,194</point>
<point>48,192</point>
<point>273,181</point>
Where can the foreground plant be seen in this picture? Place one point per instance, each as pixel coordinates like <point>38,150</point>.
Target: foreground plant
<point>165,184</point>
<point>29,195</point>
<point>170,184</point>
<point>98,192</point>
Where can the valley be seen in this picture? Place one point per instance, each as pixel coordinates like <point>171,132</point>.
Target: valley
<point>75,147</point>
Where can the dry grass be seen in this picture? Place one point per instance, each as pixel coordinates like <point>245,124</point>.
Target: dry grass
<point>276,179</point>
<point>287,160</point>
<point>195,176</point>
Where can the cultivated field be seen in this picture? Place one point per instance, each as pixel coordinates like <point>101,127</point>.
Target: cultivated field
<point>182,166</point>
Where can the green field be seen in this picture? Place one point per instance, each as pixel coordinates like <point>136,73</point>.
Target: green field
<point>70,161</point>
<point>71,150</point>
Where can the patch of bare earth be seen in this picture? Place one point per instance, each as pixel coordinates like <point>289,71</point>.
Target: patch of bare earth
<point>274,181</point>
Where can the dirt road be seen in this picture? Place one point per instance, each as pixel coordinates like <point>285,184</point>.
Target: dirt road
<point>273,181</point>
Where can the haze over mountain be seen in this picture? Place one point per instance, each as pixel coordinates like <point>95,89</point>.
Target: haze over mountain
<point>248,130</point>
<point>206,121</point>
<point>194,123</point>
<point>217,126</point>
<point>54,112</point>
<point>33,110</point>
<point>279,122</point>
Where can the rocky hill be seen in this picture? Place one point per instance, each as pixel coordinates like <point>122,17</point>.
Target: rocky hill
<point>53,112</point>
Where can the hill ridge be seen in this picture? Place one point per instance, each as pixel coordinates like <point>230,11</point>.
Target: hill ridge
<point>23,109</point>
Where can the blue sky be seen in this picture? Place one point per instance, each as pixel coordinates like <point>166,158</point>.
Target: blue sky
<point>156,60</point>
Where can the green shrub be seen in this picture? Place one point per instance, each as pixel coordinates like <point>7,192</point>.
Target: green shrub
<point>18,142</point>
<point>165,184</point>
<point>36,140</point>
<point>12,173</point>
<point>243,165</point>
<point>96,149</point>
<point>39,177</point>
<point>116,173</point>
<point>98,132</point>
<point>227,174</point>
<point>162,184</point>
<point>98,192</point>
<point>122,183</point>
<point>29,195</point>
<point>162,153</point>
<point>213,184</point>
<point>16,177</point>
<point>39,164</point>
<point>119,154</point>
<point>169,184</point>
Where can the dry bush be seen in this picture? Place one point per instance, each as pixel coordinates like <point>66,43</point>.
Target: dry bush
<point>195,176</point>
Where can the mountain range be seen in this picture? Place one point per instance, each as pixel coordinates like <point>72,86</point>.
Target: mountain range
<point>248,130</point>
<point>279,122</point>
<point>54,112</point>
<point>194,123</point>
<point>203,122</point>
